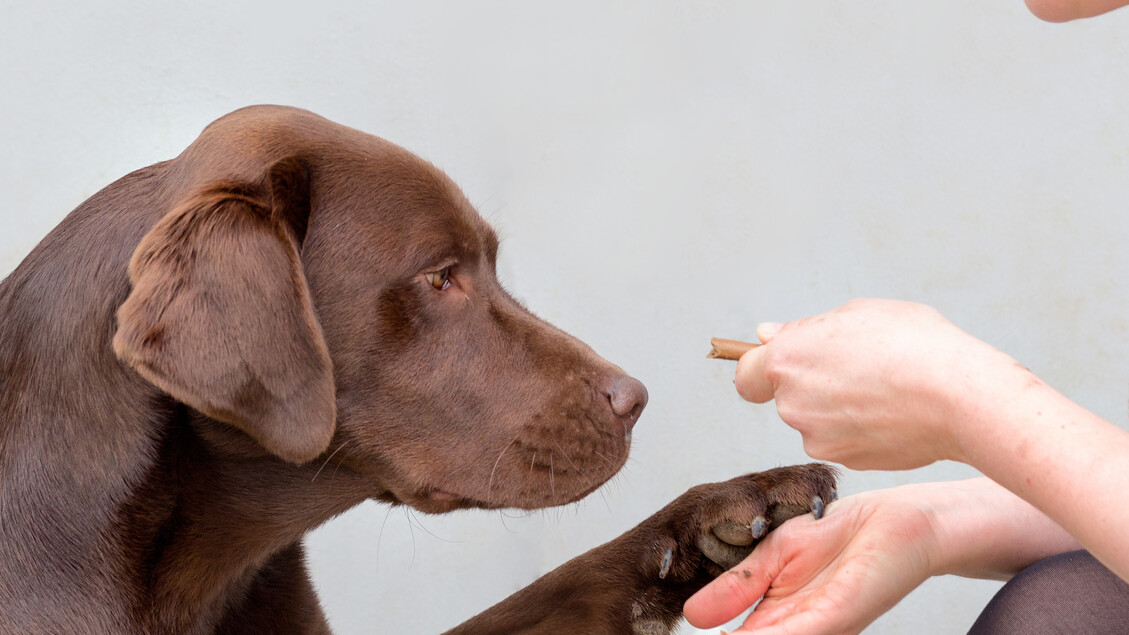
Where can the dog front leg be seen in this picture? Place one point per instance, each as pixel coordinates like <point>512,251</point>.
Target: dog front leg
<point>585,595</point>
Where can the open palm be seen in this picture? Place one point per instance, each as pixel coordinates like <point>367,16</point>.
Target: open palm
<point>834,575</point>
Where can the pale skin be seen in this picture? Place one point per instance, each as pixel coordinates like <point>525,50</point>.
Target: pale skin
<point>883,384</point>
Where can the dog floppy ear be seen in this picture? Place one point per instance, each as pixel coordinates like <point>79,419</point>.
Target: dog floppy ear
<point>220,316</point>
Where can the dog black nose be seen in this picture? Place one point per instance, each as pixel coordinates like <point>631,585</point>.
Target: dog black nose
<point>628,397</point>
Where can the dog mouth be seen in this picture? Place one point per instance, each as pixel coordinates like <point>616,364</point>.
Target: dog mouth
<point>545,461</point>
<point>442,493</point>
<point>436,500</point>
<point>563,487</point>
<point>442,496</point>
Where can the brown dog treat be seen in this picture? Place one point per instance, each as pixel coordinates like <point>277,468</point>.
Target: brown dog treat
<point>728,349</point>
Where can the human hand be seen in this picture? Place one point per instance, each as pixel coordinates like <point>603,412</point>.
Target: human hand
<point>874,384</point>
<point>836,574</point>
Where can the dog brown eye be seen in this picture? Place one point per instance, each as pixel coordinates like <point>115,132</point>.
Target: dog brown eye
<point>439,279</point>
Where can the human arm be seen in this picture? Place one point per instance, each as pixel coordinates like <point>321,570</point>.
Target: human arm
<point>840,573</point>
<point>880,384</point>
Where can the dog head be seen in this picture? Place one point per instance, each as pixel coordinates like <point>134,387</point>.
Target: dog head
<point>326,295</point>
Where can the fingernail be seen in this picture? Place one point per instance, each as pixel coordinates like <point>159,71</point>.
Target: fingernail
<point>767,330</point>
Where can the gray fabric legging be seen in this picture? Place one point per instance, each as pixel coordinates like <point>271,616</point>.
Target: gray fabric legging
<point>1071,593</point>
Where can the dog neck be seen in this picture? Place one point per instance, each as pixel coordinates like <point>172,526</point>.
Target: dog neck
<point>204,524</point>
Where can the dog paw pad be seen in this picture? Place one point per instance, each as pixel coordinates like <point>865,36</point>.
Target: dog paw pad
<point>723,554</point>
<point>737,534</point>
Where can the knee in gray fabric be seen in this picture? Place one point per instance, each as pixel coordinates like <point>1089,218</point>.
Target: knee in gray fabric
<point>1071,593</point>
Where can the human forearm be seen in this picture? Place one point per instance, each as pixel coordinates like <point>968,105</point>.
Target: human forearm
<point>984,531</point>
<point>1062,459</point>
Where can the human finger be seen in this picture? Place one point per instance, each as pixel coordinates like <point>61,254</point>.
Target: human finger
<point>734,591</point>
<point>751,382</point>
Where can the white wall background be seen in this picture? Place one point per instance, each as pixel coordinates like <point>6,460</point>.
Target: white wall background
<point>661,173</point>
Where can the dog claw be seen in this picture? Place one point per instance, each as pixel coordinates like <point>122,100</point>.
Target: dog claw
<point>664,569</point>
<point>817,507</point>
<point>760,527</point>
<point>834,496</point>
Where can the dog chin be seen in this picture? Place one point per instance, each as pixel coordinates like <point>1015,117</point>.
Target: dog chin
<point>435,500</point>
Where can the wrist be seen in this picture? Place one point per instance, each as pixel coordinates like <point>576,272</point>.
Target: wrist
<point>978,389</point>
<point>920,512</point>
<point>981,530</point>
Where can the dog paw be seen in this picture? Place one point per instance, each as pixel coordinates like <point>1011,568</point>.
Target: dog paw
<point>734,515</point>
<point>712,528</point>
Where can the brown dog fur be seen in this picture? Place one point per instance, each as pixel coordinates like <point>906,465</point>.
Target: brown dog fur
<point>190,348</point>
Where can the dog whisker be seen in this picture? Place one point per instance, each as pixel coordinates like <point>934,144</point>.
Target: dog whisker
<point>559,514</point>
<point>502,517</point>
<point>408,516</point>
<point>419,523</point>
<point>566,456</point>
<point>552,485</point>
<point>490,483</point>
<point>605,499</point>
<point>606,458</point>
<point>328,459</point>
<point>380,535</point>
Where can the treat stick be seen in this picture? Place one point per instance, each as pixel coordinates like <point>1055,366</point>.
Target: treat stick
<point>728,349</point>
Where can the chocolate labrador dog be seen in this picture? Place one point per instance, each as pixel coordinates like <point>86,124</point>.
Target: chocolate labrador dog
<point>219,352</point>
